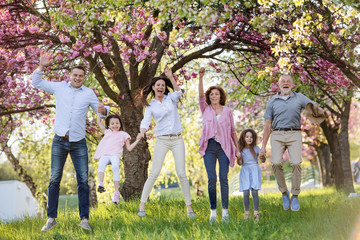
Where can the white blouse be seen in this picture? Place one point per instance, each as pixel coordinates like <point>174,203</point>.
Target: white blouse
<point>165,114</point>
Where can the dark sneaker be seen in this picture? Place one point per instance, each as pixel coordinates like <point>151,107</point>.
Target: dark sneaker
<point>286,200</point>
<point>48,226</point>
<point>295,205</point>
<point>100,188</point>
<point>85,225</point>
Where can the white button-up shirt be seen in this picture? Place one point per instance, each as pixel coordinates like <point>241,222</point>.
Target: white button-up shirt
<point>165,114</point>
<point>72,106</point>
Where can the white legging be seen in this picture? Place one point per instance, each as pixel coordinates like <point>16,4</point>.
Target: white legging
<point>114,161</point>
<point>162,146</point>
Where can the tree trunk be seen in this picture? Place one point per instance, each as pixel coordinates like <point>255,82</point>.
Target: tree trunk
<point>136,162</point>
<point>340,150</point>
<point>345,146</point>
<point>332,137</point>
<point>324,157</point>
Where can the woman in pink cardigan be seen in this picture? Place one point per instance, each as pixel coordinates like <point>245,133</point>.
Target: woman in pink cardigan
<point>218,141</point>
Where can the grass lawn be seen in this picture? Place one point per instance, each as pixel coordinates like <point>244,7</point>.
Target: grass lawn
<point>324,214</point>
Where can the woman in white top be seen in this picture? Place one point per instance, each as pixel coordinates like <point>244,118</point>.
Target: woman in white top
<point>163,108</point>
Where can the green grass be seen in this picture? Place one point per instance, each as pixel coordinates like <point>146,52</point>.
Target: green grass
<point>324,214</point>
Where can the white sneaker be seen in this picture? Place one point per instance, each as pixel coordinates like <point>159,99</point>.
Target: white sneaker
<point>225,218</point>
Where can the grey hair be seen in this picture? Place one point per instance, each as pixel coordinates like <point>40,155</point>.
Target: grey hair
<point>286,75</point>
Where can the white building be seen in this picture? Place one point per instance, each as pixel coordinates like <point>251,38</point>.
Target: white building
<point>16,201</point>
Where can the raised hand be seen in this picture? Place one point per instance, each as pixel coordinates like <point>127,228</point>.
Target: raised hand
<point>201,72</point>
<point>45,58</point>
<point>168,72</point>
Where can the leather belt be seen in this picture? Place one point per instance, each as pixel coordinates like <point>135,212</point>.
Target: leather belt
<point>66,136</point>
<point>286,129</point>
<point>172,135</point>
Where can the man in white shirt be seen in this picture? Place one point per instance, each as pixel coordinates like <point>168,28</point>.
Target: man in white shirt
<point>72,104</point>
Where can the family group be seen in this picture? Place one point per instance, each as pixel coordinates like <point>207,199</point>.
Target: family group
<point>218,142</point>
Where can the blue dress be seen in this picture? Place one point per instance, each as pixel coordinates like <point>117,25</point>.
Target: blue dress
<point>250,174</point>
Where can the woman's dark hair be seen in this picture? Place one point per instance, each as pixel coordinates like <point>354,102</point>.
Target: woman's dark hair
<point>107,121</point>
<point>148,88</point>
<point>243,144</point>
<point>222,94</point>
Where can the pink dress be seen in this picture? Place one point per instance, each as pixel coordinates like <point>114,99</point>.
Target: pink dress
<point>222,129</point>
<point>111,144</point>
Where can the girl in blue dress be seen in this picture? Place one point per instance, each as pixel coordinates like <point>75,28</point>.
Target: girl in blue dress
<point>250,174</point>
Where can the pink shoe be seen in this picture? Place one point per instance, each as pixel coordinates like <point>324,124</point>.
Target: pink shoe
<point>116,197</point>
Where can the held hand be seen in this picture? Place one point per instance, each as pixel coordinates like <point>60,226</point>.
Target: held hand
<point>168,72</point>
<point>239,160</point>
<point>202,72</point>
<point>262,155</point>
<point>139,136</point>
<point>101,109</point>
<point>45,58</point>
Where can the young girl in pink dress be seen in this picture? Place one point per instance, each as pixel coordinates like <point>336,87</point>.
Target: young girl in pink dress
<point>110,150</point>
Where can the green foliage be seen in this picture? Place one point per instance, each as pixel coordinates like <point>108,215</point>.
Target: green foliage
<point>324,214</point>
<point>7,172</point>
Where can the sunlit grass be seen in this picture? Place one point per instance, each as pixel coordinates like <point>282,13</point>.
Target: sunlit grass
<point>324,214</point>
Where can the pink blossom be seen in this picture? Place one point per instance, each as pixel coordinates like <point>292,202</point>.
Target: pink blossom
<point>162,36</point>
<point>64,39</point>
<point>153,61</point>
<point>152,21</point>
<point>274,88</point>
<point>33,29</point>
<point>20,57</point>
<point>193,75</point>
<point>97,48</point>
<point>75,54</point>
<point>59,58</point>
<point>105,50</point>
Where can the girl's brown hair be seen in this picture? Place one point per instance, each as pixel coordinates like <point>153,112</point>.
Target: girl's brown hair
<point>107,121</point>
<point>222,94</point>
<point>243,144</point>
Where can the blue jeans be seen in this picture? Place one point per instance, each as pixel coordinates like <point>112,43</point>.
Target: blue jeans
<point>61,148</point>
<point>213,152</point>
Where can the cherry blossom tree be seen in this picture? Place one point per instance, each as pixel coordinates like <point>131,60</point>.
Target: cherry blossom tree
<point>123,43</point>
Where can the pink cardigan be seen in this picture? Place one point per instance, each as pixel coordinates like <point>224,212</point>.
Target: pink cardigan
<point>222,129</point>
